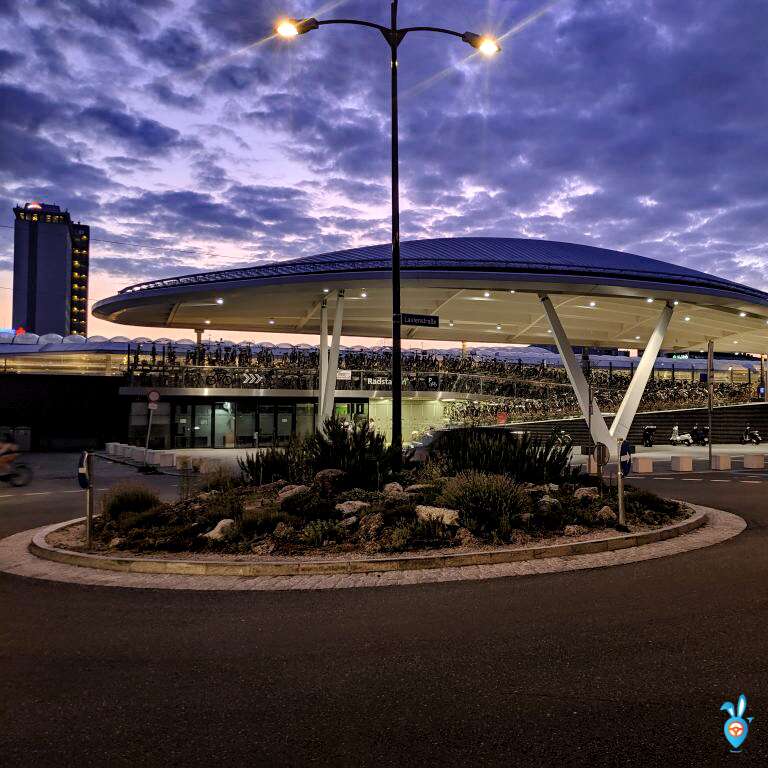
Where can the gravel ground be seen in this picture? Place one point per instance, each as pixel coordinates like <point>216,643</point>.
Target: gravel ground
<point>73,537</point>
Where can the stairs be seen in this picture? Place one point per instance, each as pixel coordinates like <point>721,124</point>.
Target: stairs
<point>728,423</point>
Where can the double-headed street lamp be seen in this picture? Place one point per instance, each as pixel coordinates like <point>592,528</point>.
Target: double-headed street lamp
<point>487,46</point>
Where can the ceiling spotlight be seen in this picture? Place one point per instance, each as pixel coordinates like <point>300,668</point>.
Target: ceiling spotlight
<point>742,314</point>
<point>486,294</point>
<point>687,319</point>
<point>326,290</point>
<point>450,323</point>
<point>592,303</point>
<point>271,321</point>
<point>549,330</point>
<point>207,322</point>
<point>637,338</point>
<point>735,342</point>
<point>675,302</point>
<point>511,290</point>
<point>498,327</point>
<point>649,300</point>
<point>363,295</point>
<point>219,301</point>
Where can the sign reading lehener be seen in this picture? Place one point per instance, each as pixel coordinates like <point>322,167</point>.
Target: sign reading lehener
<point>426,321</point>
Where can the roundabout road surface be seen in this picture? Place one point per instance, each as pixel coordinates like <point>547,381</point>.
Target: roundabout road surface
<point>621,666</point>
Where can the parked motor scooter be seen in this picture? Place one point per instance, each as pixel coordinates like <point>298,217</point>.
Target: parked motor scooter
<point>751,435</point>
<point>649,435</point>
<point>700,435</point>
<point>677,439</point>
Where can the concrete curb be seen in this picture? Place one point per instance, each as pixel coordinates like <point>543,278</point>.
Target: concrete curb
<point>40,548</point>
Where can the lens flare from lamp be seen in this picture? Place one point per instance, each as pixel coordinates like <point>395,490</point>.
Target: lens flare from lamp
<point>287,28</point>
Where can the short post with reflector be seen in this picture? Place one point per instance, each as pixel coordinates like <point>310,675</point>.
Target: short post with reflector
<point>85,481</point>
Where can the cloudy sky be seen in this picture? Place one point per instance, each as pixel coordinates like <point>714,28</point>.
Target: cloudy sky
<point>189,138</point>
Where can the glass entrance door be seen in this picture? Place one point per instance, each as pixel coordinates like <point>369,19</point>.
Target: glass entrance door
<point>203,426</point>
<point>284,423</point>
<point>224,424</point>
<point>266,425</point>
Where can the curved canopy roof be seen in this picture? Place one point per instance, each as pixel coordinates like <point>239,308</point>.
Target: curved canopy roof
<point>483,289</point>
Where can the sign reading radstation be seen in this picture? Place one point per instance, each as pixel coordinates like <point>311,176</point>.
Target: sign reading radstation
<point>425,321</point>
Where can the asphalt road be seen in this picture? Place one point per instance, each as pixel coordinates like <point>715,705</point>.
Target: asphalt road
<point>624,666</point>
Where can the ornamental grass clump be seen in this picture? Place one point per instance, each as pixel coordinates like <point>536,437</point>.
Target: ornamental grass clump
<point>127,499</point>
<point>523,457</point>
<point>487,504</point>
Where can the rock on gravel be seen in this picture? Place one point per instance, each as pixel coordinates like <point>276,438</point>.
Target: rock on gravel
<point>585,494</point>
<point>223,527</point>
<point>606,515</point>
<point>351,507</point>
<point>329,480</point>
<point>290,490</point>
<point>392,489</point>
<point>444,515</point>
<point>574,530</point>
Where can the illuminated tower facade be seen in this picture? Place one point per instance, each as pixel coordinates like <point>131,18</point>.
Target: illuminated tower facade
<point>50,271</point>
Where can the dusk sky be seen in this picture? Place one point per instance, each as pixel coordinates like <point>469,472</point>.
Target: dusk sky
<point>186,134</point>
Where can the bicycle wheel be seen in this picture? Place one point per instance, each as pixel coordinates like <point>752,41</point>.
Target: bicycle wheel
<point>22,475</point>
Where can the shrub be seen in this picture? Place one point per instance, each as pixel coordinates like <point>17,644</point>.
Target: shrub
<point>225,504</point>
<point>358,450</point>
<point>643,507</point>
<point>263,520</point>
<point>127,498</point>
<point>309,505</point>
<point>317,531</point>
<point>294,463</point>
<point>220,479</point>
<point>137,520</point>
<point>486,503</point>
<point>523,457</point>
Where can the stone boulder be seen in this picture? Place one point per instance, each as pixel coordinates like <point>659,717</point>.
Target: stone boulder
<point>548,504</point>
<point>606,515</point>
<point>351,507</point>
<point>289,491</point>
<point>419,488</point>
<point>466,538</point>
<point>283,531</point>
<point>348,522</point>
<point>444,515</point>
<point>574,530</point>
<point>586,494</point>
<point>393,489</point>
<point>222,529</point>
<point>329,480</point>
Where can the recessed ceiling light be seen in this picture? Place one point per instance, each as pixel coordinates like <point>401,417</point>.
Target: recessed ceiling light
<point>675,302</point>
<point>326,290</point>
<point>271,321</point>
<point>486,294</point>
<point>742,314</point>
<point>219,301</point>
<point>363,295</point>
<point>549,330</point>
<point>511,290</point>
<point>498,327</point>
<point>637,338</point>
<point>649,300</point>
<point>592,303</point>
<point>450,323</point>
<point>687,319</point>
<point>735,342</point>
<point>207,322</point>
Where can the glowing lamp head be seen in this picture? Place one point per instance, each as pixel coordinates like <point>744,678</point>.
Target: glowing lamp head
<point>289,28</point>
<point>485,44</point>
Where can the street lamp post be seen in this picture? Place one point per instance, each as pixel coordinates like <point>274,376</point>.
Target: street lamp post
<point>394,35</point>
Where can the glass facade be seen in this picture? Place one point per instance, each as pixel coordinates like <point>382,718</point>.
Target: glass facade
<point>197,423</point>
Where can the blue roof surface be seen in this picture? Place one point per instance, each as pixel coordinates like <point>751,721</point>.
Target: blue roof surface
<point>479,255</point>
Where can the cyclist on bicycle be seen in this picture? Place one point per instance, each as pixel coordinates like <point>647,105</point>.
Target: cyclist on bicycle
<point>8,453</point>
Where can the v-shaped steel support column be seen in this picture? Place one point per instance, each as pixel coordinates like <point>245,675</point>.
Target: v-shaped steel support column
<point>599,429</point>
<point>624,417</point>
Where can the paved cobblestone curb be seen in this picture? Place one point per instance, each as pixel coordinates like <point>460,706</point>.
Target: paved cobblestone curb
<point>41,548</point>
<point>15,558</point>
